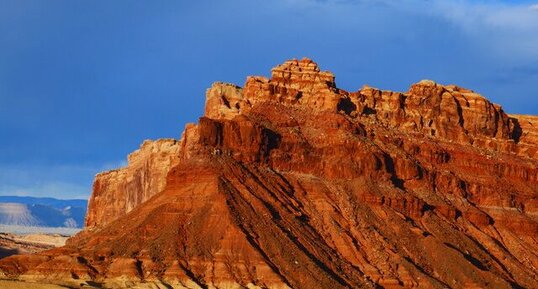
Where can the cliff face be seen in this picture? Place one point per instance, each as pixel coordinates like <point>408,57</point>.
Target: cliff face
<point>117,192</point>
<point>290,182</point>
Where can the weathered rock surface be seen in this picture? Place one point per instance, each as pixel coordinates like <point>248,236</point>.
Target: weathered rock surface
<point>291,182</point>
<point>117,192</point>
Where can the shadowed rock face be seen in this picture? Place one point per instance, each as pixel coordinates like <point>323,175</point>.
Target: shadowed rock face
<point>290,182</point>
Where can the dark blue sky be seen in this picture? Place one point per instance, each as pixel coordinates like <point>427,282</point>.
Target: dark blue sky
<point>83,83</point>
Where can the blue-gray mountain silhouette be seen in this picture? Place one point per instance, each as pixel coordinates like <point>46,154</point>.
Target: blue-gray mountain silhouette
<point>46,212</point>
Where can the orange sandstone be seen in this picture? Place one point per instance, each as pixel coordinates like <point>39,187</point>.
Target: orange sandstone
<point>290,182</point>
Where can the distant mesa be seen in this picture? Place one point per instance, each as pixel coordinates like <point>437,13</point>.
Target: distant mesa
<point>42,212</point>
<point>292,182</point>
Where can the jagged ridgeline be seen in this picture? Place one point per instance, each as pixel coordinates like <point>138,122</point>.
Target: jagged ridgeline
<point>291,182</point>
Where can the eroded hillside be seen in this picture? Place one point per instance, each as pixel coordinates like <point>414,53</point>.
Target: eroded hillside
<point>291,182</point>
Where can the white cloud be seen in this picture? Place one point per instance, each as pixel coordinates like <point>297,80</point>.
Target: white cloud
<point>476,16</point>
<point>505,29</point>
<point>508,30</point>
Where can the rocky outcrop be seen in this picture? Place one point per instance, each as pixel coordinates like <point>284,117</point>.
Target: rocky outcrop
<point>526,134</point>
<point>223,101</point>
<point>295,82</point>
<point>117,192</point>
<point>290,182</point>
<point>449,112</point>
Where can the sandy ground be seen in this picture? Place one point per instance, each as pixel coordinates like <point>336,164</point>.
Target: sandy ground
<point>25,230</point>
<point>26,285</point>
<point>55,240</point>
<point>11,244</point>
<point>13,284</point>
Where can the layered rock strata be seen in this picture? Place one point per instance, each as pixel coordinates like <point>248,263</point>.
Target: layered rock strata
<point>290,182</point>
<point>117,192</point>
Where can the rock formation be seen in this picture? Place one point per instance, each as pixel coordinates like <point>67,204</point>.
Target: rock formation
<point>117,192</point>
<point>290,182</point>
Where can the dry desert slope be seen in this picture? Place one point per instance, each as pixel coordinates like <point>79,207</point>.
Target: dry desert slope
<point>291,182</point>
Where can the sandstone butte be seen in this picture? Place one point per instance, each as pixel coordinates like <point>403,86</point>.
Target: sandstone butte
<point>291,182</point>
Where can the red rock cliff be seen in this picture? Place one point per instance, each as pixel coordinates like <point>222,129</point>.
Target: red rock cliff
<point>117,192</point>
<point>290,182</point>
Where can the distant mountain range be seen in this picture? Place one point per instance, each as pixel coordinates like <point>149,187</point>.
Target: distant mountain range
<point>42,212</point>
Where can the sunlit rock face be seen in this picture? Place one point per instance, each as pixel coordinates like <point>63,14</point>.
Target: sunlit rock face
<point>117,192</point>
<point>290,182</point>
